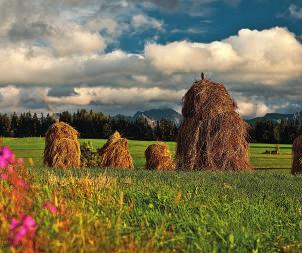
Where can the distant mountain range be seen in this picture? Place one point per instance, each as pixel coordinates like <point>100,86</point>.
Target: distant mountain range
<point>276,117</point>
<point>154,115</point>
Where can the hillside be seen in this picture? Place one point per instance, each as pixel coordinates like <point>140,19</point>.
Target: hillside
<point>154,115</point>
<point>276,117</point>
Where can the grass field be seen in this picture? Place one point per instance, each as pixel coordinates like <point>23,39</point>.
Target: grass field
<point>33,148</point>
<point>144,211</point>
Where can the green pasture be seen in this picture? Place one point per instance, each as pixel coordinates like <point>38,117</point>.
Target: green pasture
<point>109,210</point>
<point>33,148</point>
<point>150,211</point>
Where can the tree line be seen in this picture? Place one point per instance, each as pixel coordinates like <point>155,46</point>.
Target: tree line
<point>98,125</point>
<point>283,131</point>
<point>89,124</point>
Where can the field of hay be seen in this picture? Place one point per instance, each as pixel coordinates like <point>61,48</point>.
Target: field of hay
<point>150,211</point>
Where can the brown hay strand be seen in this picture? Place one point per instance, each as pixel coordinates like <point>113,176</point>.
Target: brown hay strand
<point>115,153</point>
<point>297,156</point>
<point>212,135</point>
<point>158,157</point>
<point>62,149</point>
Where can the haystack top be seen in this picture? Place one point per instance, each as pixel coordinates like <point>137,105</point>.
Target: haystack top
<point>160,146</point>
<point>115,153</point>
<point>63,130</point>
<point>206,97</point>
<point>114,137</point>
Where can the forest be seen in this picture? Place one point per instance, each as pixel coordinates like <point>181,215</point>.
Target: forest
<point>97,125</point>
<point>92,125</point>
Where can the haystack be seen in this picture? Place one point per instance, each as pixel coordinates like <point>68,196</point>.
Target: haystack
<point>62,149</point>
<point>297,156</point>
<point>158,157</point>
<point>212,135</point>
<point>115,153</point>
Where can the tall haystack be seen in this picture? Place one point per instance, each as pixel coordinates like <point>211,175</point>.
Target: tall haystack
<point>158,157</point>
<point>115,153</point>
<point>297,156</point>
<point>212,135</point>
<point>62,149</point>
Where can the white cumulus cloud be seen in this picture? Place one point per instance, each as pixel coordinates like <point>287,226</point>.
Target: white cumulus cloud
<point>248,107</point>
<point>145,22</point>
<point>269,57</point>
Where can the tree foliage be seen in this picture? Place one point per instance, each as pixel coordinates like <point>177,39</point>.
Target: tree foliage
<point>89,124</point>
<point>98,125</point>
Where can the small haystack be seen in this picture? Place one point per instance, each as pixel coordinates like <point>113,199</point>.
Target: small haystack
<point>115,153</point>
<point>158,157</point>
<point>297,156</point>
<point>212,135</point>
<point>62,149</point>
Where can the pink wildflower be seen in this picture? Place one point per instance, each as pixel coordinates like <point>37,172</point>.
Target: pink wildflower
<point>6,156</point>
<point>23,229</point>
<point>20,161</point>
<point>21,183</point>
<point>3,163</point>
<point>4,176</point>
<point>50,207</point>
<point>10,169</point>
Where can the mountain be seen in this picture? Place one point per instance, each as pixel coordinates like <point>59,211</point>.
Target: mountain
<point>154,115</point>
<point>123,117</point>
<point>276,117</point>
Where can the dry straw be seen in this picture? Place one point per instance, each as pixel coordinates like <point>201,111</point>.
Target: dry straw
<point>62,149</point>
<point>212,135</point>
<point>158,157</point>
<point>297,156</point>
<point>115,153</point>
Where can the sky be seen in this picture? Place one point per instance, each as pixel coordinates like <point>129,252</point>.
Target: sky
<point>121,56</point>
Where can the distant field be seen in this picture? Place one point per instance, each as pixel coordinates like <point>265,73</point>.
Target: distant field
<point>33,148</point>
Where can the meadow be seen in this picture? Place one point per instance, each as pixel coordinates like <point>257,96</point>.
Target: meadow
<point>107,210</point>
<point>33,148</point>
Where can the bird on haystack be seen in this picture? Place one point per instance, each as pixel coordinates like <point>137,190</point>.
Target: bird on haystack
<point>202,76</point>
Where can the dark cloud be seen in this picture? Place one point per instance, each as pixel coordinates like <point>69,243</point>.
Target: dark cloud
<point>61,91</point>
<point>21,31</point>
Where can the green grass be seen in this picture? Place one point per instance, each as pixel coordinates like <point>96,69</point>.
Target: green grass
<point>33,148</point>
<point>148,211</point>
<point>260,160</point>
<point>143,211</point>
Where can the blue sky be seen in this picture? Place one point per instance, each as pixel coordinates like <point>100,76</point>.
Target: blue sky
<point>120,56</point>
<point>220,20</point>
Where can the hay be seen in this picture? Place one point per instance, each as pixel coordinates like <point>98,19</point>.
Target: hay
<point>297,156</point>
<point>158,157</point>
<point>115,153</point>
<point>212,135</point>
<point>62,149</point>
